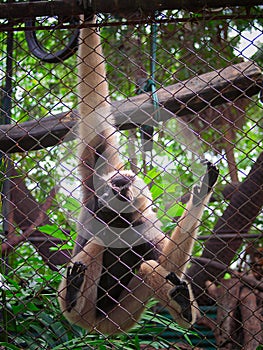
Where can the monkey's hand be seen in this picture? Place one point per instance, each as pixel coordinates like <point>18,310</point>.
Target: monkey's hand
<point>180,294</point>
<point>208,181</point>
<point>75,278</point>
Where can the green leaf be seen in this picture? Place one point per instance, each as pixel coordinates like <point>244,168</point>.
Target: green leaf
<point>156,191</point>
<point>136,342</point>
<point>151,175</point>
<point>9,346</point>
<point>171,188</point>
<point>67,246</point>
<point>36,328</point>
<point>11,281</point>
<point>175,210</point>
<point>59,331</point>
<point>169,226</point>
<point>54,231</point>
<point>46,319</point>
<point>23,307</point>
<point>166,322</point>
<point>72,204</point>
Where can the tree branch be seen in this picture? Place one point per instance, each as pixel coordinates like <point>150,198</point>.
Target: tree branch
<point>12,240</point>
<point>192,96</point>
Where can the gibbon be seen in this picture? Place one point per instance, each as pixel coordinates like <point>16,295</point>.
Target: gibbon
<point>121,258</point>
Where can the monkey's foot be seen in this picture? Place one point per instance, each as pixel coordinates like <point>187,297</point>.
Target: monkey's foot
<point>207,183</point>
<point>75,278</point>
<point>180,294</point>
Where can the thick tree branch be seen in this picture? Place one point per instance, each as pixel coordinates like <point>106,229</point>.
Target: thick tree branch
<point>12,240</point>
<point>25,210</point>
<point>188,97</point>
<point>248,281</point>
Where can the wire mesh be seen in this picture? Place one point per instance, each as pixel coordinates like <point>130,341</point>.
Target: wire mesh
<point>208,80</point>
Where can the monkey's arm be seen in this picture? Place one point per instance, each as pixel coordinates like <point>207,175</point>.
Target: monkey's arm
<point>98,151</point>
<point>177,248</point>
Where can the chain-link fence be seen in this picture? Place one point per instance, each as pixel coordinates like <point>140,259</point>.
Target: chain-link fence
<point>183,87</point>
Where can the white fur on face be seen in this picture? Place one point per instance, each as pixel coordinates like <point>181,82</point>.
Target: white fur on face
<point>138,192</point>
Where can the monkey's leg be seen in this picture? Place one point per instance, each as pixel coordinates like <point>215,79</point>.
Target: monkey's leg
<point>152,280</point>
<point>177,249</point>
<point>175,295</point>
<point>77,292</point>
<point>78,295</point>
<point>127,312</point>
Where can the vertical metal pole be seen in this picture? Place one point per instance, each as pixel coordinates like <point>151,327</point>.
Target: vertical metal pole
<point>5,118</point>
<point>7,101</point>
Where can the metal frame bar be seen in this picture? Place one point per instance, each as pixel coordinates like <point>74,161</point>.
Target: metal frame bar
<point>73,8</point>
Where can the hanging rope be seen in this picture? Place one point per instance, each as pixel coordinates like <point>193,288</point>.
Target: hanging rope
<point>147,131</point>
<point>154,29</point>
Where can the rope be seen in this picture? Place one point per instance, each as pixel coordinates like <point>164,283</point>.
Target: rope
<point>154,29</point>
<point>147,131</point>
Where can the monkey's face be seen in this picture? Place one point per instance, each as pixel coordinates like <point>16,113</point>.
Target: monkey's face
<point>123,192</point>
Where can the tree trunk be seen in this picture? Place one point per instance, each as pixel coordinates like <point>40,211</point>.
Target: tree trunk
<point>251,319</point>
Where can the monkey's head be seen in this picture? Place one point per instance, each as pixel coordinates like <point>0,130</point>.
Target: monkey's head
<point>124,193</point>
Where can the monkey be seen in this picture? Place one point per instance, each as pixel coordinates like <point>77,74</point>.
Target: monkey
<point>121,258</point>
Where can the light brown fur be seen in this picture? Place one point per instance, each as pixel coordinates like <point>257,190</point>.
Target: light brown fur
<point>98,142</point>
